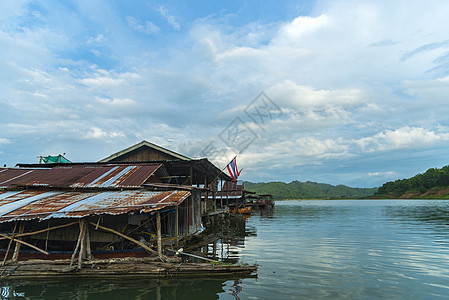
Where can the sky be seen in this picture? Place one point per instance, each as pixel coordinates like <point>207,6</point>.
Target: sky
<point>339,92</point>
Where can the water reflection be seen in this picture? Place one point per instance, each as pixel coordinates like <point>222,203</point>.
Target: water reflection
<point>362,249</point>
<point>429,216</point>
<point>309,210</point>
<point>173,288</point>
<point>232,234</point>
<point>428,212</point>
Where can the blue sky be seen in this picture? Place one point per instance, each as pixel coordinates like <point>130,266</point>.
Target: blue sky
<point>354,92</point>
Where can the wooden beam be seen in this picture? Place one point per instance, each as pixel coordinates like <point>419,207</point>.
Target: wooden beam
<point>177,225</point>
<point>81,255</point>
<point>159,233</point>
<point>25,243</point>
<point>9,245</point>
<point>15,256</point>
<point>72,260</point>
<point>88,249</point>
<point>126,237</point>
<point>3,237</point>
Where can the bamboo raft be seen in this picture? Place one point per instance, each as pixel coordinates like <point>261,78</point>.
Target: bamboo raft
<point>120,268</point>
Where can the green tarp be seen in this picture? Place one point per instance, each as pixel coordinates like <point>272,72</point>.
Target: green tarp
<point>55,159</point>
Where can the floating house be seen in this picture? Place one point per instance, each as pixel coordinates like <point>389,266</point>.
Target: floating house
<point>130,204</point>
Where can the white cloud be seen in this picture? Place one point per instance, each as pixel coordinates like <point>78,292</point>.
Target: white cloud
<point>98,133</point>
<point>4,141</point>
<point>105,78</point>
<point>116,102</point>
<point>292,94</point>
<point>405,137</point>
<point>146,27</point>
<point>169,18</point>
<point>387,173</point>
<point>353,79</point>
<point>100,39</point>
<point>292,32</point>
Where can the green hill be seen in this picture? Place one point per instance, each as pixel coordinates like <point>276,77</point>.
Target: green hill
<point>307,190</point>
<point>434,183</point>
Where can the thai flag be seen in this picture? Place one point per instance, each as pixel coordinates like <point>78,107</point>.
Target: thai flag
<point>232,169</point>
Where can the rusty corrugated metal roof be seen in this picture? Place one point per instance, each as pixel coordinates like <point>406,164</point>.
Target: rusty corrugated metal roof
<point>27,205</point>
<point>79,176</point>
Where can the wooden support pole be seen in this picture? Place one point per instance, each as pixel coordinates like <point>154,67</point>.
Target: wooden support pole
<point>126,237</point>
<point>46,238</point>
<point>72,260</point>
<point>3,237</point>
<point>88,249</point>
<point>9,245</point>
<point>227,197</point>
<point>25,243</point>
<point>159,233</point>
<point>221,194</point>
<point>15,256</point>
<point>81,255</point>
<point>177,225</point>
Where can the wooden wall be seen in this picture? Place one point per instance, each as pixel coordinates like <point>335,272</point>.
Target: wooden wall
<point>143,154</point>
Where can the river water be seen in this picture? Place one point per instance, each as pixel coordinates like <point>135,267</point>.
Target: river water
<point>318,249</point>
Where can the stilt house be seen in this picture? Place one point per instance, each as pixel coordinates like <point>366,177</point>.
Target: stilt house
<point>131,203</point>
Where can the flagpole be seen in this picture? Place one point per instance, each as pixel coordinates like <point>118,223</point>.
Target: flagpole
<point>222,171</point>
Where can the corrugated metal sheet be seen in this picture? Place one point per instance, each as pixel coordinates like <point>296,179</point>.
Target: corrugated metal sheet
<point>80,176</point>
<point>29,205</point>
<point>45,207</point>
<point>6,208</point>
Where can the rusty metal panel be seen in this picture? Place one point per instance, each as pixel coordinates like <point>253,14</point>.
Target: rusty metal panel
<point>13,205</point>
<point>139,175</point>
<point>104,203</point>
<point>59,177</point>
<point>123,176</point>
<point>103,180</point>
<point>111,181</point>
<point>4,195</point>
<point>123,202</point>
<point>95,174</point>
<point>167,198</point>
<point>43,208</point>
<point>28,205</point>
<point>80,176</point>
<point>9,176</point>
<point>9,197</point>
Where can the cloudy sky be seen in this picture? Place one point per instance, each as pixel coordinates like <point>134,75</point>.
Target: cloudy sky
<point>341,92</point>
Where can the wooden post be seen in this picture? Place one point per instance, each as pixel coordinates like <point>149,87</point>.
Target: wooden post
<point>227,196</point>
<point>15,256</point>
<point>221,194</point>
<point>82,253</point>
<point>88,249</point>
<point>206,194</point>
<point>214,194</point>
<point>177,225</point>
<point>159,233</point>
<point>46,239</point>
<point>72,260</point>
<point>9,245</point>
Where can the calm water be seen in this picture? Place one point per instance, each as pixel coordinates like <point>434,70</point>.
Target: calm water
<point>352,249</point>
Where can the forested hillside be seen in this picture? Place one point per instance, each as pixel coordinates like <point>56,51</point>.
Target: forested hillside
<point>434,183</point>
<point>307,190</point>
